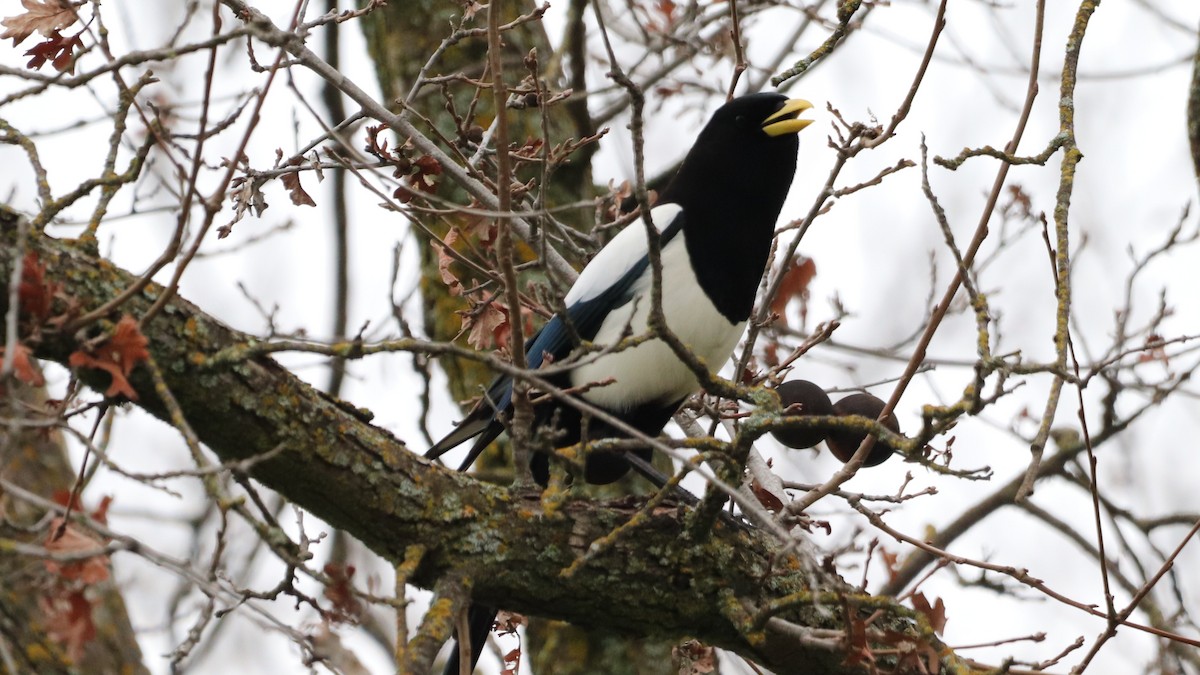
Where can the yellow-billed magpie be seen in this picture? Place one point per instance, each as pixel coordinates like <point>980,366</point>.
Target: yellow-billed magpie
<point>716,219</point>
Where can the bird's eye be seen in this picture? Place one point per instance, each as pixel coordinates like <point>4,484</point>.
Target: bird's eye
<point>740,120</point>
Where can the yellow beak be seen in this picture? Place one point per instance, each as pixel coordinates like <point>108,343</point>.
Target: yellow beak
<point>786,120</point>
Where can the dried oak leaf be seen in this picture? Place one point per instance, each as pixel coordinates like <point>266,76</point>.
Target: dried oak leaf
<point>69,499</point>
<point>470,9</point>
<point>35,294</point>
<point>512,662</point>
<point>795,283</point>
<point>858,652</point>
<point>425,176</point>
<point>67,617</point>
<point>346,607</point>
<point>891,562</point>
<point>117,356</point>
<point>507,622</point>
<point>71,541</point>
<point>23,366</point>
<point>662,18</point>
<point>291,181</point>
<point>488,325</point>
<point>1155,350</point>
<point>58,49</point>
<point>935,614</point>
<point>765,497</point>
<point>40,16</point>
<point>445,260</point>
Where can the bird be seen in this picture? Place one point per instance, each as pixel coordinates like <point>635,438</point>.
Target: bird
<point>716,221</point>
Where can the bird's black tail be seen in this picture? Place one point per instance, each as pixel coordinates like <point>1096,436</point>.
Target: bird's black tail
<point>479,623</point>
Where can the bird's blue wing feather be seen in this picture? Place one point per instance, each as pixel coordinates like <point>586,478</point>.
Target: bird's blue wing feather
<point>604,285</point>
<point>586,315</point>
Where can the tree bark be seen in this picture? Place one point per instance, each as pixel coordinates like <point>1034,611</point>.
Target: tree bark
<point>36,459</point>
<point>653,581</point>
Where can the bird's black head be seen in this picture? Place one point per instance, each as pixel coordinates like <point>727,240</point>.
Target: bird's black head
<point>732,185</point>
<point>748,150</point>
<point>754,116</point>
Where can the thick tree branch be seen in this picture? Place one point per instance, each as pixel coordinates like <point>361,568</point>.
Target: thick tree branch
<point>362,479</point>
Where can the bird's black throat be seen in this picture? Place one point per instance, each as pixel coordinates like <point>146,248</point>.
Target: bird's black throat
<point>732,186</point>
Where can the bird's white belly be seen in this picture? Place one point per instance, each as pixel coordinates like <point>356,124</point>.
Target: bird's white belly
<point>650,372</point>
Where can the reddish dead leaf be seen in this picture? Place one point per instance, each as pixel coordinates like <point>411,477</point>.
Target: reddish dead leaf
<point>487,323</point>
<point>1155,350</point>
<point>23,366</point>
<point>667,9</point>
<point>73,541</point>
<point>662,18</point>
<point>41,16</point>
<point>445,260</point>
<point>858,652</point>
<point>346,607</point>
<point>35,294</point>
<point>117,356</point>
<point>58,50</point>
<point>403,194</point>
<point>750,373</point>
<point>512,662</point>
<point>484,230</point>
<point>67,618</point>
<point>668,90</point>
<point>771,353</point>
<point>291,181</point>
<point>375,146</point>
<point>100,513</point>
<point>507,624</point>
<point>933,659</point>
<point>913,655</point>
<point>891,562</point>
<point>765,497</point>
<point>247,196</point>
<point>532,149</point>
<point>502,332</point>
<point>795,285</point>
<point>935,614</point>
<point>470,9</point>
<point>70,500</point>
<point>425,176</point>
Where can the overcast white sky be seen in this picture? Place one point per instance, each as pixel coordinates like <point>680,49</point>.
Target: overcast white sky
<point>872,252</point>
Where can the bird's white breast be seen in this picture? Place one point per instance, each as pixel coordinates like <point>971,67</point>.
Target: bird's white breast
<point>650,372</point>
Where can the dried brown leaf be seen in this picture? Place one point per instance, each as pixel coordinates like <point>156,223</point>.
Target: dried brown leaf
<point>346,606</point>
<point>117,356</point>
<point>35,294</point>
<point>425,176</point>
<point>58,49</point>
<point>935,614</point>
<point>23,366</point>
<point>794,284</point>
<point>72,540</point>
<point>67,618</point>
<point>488,326</point>
<point>291,181</point>
<point>40,16</point>
<point>445,260</point>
